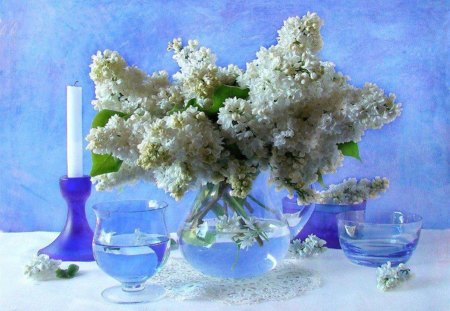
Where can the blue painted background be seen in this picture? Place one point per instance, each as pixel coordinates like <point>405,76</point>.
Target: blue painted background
<point>45,45</point>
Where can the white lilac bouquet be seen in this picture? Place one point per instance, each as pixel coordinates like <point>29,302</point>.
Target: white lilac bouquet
<point>287,112</point>
<point>352,191</point>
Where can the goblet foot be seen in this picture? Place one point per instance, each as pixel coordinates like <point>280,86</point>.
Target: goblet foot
<point>138,294</point>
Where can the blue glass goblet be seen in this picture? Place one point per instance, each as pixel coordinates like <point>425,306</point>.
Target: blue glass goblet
<point>131,244</point>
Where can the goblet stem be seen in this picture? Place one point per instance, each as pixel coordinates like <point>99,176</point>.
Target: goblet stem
<point>133,287</point>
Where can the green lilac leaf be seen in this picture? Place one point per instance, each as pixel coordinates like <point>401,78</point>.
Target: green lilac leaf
<point>103,116</point>
<point>67,273</point>
<point>221,93</point>
<point>105,163</point>
<point>350,149</point>
<point>192,102</point>
<point>72,269</point>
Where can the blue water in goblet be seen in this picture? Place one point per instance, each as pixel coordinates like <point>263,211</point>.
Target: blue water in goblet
<point>129,263</point>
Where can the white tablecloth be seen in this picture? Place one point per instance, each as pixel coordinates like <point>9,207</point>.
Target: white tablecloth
<point>345,286</point>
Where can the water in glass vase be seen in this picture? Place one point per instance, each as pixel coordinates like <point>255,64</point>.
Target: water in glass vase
<point>218,255</point>
<point>130,260</point>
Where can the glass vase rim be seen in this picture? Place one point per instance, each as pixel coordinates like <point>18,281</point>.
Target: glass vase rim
<point>412,218</point>
<point>116,206</point>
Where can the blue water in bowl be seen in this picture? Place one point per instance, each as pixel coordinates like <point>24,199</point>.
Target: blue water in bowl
<point>129,262</point>
<point>375,246</point>
<point>223,259</point>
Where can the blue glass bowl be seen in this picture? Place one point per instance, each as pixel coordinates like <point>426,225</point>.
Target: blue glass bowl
<point>372,240</point>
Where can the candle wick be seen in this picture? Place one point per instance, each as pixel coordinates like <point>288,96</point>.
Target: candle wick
<point>75,84</point>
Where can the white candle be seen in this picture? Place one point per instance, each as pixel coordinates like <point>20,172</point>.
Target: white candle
<point>74,132</point>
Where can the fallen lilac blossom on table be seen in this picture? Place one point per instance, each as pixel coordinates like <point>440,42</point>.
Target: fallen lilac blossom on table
<point>43,268</point>
<point>390,277</point>
<point>311,246</point>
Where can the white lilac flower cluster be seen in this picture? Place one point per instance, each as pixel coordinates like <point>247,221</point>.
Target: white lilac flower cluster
<point>389,277</point>
<point>352,191</point>
<point>246,231</point>
<point>297,111</point>
<point>199,75</point>
<point>311,246</point>
<point>42,267</point>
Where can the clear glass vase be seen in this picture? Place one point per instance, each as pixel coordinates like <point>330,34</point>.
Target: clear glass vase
<point>231,237</point>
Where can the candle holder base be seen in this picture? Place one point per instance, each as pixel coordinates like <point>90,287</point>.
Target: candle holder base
<point>74,243</point>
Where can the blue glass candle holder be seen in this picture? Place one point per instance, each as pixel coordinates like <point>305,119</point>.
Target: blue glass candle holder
<point>74,243</point>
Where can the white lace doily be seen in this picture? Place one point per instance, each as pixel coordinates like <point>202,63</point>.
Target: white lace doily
<point>286,281</point>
